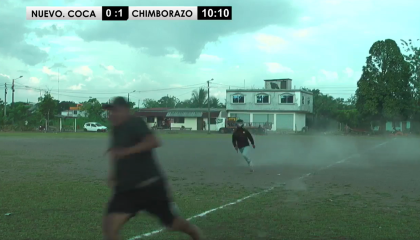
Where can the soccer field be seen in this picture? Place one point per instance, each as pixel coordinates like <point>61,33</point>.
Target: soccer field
<point>303,187</point>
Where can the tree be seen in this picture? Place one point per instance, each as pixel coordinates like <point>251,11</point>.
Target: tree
<point>47,106</point>
<point>383,91</point>
<point>184,104</point>
<point>2,121</point>
<point>351,101</point>
<point>150,103</point>
<point>349,117</point>
<point>199,98</point>
<point>19,112</point>
<point>215,102</point>
<point>168,101</point>
<point>325,106</point>
<point>131,104</point>
<point>413,58</point>
<point>65,105</point>
<point>93,109</point>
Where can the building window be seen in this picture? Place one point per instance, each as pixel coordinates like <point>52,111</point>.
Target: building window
<point>150,119</point>
<point>238,99</point>
<point>75,112</point>
<point>179,120</point>
<point>212,120</point>
<point>283,85</point>
<point>262,98</point>
<point>303,100</point>
<point>309,100</point>
<point>286,98</point>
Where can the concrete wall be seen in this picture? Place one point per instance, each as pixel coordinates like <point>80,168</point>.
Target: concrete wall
<point>212,126</point>
<point>398,126</point>
<point>307,104</point>
<point>267,84</point>
<point>274,104</point>
<point>150,125</point>
<point>298,123</point>
<point>188,123</point>
<point>73,113</point>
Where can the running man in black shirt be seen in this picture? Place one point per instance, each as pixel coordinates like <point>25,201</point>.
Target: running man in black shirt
<point>136,178</point>
<point>240,140</point>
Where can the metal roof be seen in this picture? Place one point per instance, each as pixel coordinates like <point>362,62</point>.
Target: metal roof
<point>181,113</point>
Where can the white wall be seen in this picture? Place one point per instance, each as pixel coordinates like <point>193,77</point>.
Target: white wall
<point>251,117</point>
<point>308,105</point>
<point>213,127</point>
<point>274,105</point>
<point>150,125</point>
<point>71,113</point>
<point>300,121</point>
<point>188,123</point>
<point>299,118</point>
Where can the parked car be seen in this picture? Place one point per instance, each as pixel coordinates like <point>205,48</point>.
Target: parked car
<point>94,127</point>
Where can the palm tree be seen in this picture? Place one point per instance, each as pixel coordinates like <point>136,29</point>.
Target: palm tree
<point>199,98</point>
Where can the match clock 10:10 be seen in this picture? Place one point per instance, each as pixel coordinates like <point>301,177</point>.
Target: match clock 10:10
<point>214,13</point>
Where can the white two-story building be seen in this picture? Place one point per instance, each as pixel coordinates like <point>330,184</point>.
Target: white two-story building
<point>278,104</point>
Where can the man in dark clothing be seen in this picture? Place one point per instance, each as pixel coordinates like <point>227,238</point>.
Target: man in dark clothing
<point>240,140</point>
<point>136,178</point>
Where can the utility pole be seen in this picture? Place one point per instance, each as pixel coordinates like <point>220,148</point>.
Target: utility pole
<point>208,105</point>
<point>128,96</point>
<point>13,93</point>
<point>13,90</point>
<point>5,97</point>
<point>58,85</point>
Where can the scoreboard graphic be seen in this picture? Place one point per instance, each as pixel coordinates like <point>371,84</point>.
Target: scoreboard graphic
<point>125,13</point>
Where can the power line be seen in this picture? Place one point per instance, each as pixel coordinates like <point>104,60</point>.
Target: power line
<point>79,95</point>
<point>113,93</point>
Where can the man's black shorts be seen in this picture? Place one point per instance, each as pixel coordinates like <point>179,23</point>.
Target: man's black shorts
<point>153,199</point>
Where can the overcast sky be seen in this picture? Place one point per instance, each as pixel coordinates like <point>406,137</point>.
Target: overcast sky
<point>317,43</point>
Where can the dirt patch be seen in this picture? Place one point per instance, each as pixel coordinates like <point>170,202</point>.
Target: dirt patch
<point>190,161</point>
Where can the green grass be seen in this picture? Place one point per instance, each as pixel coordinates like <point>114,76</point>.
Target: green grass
<point>46,204</point>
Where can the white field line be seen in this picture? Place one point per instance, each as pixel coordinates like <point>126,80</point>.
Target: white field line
<point>258,193</point>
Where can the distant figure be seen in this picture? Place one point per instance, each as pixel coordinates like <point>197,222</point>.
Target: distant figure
<point>240,140</point>
<point>204,125</point>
